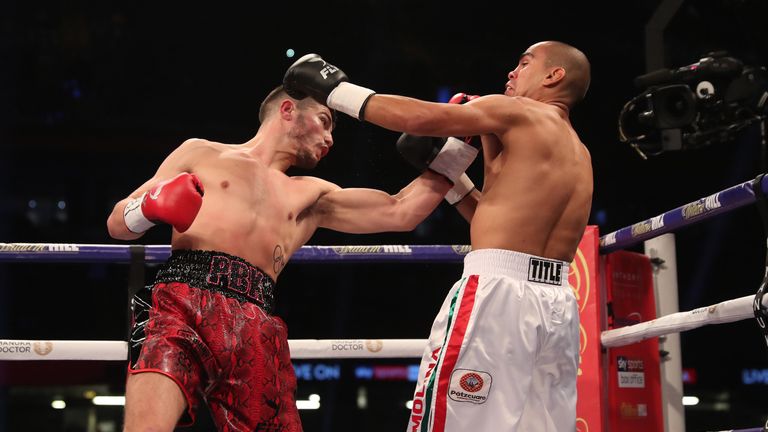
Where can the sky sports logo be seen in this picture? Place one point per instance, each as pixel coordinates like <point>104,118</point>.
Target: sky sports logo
<point>630,372</point>
<point>629,365</point>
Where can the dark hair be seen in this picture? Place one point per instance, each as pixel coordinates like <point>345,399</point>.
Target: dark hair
<point>278,93</point>
<point>267,105</point>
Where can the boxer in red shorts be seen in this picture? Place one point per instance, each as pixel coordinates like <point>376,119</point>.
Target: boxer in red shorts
<point>246,376</point>
<point>204,331</point>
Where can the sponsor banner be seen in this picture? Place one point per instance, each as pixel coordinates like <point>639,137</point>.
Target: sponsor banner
<point>751,377</point>
<point>701,207</point>
<point>390,373</point>
<point>583,277</point>
<point>38,247</point>
<point>317,371</point>
<point>15,347</point>
<point>356,348</point>
<point>355,345</point>
<point>373,249</point>
<point>634,395</point>
<point>461,249</point>
<point>630,372</point>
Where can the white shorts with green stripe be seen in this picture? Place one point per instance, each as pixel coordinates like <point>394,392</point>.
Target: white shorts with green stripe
<point>503,352</point>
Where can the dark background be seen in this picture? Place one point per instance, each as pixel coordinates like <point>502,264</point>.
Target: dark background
<point>94,95</point>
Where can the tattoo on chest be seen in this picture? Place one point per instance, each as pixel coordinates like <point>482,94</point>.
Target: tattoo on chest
<point>278,259</point>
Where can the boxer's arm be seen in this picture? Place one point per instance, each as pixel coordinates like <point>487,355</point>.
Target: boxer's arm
<point>116,221</point>
<point>492,114</point>
<point>468,204</point>
<point>180,160</point>
<point>326,83</point>
<point>363,211</point>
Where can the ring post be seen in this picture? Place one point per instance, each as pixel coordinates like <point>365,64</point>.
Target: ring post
<point>663,256</point>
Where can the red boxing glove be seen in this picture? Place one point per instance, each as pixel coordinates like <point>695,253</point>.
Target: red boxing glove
<point>175,202</point>
<point>462,98</point>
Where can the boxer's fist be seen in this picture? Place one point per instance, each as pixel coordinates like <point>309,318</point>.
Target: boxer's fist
<point>327,84</point>
<point>447,156</point>
<point>314,77</point>
<point>175,202</point>
<point>462,98</point>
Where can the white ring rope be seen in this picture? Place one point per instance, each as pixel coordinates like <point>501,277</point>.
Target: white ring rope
<point>720,313</point>
<point>62,350</point>
<point>300,349</point>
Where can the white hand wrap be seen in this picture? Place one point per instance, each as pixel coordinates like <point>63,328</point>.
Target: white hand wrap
<point>462,187</point>
<point>134,217</point>
<point>349,99</point>
<point>453,159</point>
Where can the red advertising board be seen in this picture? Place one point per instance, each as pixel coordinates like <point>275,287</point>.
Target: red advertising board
<point>583,278</point>
<point>634,382</point>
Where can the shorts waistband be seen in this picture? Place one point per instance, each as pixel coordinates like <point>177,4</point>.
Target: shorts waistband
<point>518,265</point>
<point>220,272</point>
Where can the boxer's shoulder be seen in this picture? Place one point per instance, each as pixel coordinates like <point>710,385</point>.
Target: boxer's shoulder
<point>200,144</point>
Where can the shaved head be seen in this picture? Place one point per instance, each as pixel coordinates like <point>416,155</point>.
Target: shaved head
<point>575,63</point>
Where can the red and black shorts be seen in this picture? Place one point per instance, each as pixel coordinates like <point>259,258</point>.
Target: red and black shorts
<point>206,323</point>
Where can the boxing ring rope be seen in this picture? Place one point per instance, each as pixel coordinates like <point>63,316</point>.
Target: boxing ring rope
<point>660,247</point>
<point>300,349</point>
<point>89,253</point>
<point>696,211</point>
<point>720,313</point>
<point>688,214</point>
<point>732,310</point>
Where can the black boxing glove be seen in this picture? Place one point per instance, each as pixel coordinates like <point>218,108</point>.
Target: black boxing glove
<point>449,157</point>
<point>327,84</point>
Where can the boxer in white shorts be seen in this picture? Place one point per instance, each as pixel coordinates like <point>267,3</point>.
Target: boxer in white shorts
<point>504,349</point>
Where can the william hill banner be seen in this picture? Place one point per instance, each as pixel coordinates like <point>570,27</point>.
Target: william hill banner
<point>634,386</point>
<point>583,278</point>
